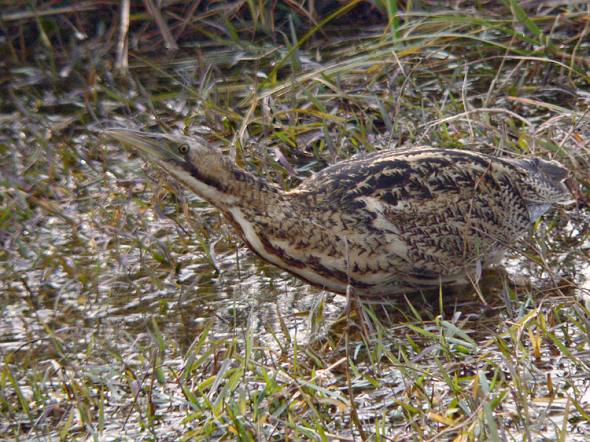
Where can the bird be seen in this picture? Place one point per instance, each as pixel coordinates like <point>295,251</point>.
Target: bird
<point>377,225</point>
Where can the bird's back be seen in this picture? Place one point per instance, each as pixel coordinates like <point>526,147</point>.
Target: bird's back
<point>412,219</point>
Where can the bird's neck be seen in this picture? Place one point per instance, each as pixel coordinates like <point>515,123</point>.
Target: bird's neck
<point>215,178</point>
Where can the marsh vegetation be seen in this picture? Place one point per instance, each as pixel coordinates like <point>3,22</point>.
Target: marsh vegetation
<point>130,310</point>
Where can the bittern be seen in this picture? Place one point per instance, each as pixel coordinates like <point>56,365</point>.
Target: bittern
<point>393,221</point>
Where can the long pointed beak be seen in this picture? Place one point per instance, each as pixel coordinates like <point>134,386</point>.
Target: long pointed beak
<point>574,188</point>
<point>155,147</point>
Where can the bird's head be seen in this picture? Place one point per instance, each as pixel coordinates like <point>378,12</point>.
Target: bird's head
<point>192,161</point>
<point>544,183</point>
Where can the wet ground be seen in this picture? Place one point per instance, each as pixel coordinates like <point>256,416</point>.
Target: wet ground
<point>130,309</point>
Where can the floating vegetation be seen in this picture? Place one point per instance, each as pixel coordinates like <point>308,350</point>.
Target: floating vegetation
<point>131,310</point>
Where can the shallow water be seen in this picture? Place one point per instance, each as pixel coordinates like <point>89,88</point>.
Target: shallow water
<point>102,257</point>
<point>106,276</point>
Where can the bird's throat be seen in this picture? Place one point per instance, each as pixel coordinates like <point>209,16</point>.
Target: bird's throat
<point>225,185</point>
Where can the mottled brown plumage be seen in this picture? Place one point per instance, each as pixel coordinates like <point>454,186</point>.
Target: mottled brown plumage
<point>381,224</point>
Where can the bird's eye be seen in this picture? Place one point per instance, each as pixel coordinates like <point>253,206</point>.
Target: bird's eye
<point>183,149</point>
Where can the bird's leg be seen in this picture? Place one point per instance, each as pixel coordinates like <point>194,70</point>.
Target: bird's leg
<point>474,277</point>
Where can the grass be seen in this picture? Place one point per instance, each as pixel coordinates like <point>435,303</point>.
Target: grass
<point>130,309</point>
